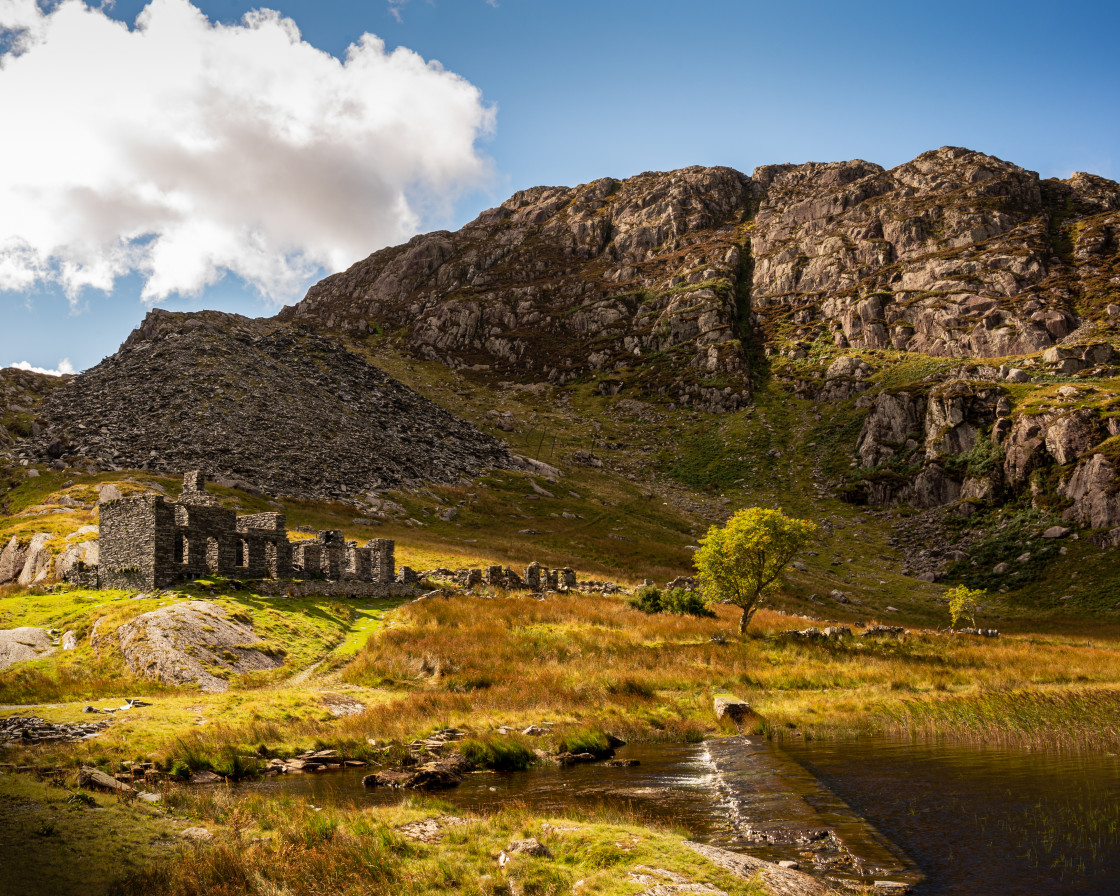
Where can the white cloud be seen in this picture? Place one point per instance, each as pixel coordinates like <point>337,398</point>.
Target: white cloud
<point>65,368</point>
<point>183,149</point>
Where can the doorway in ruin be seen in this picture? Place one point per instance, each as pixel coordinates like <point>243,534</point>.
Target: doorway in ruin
<point>212,554</point>
<point>270,560</point>
<point>182,550</point>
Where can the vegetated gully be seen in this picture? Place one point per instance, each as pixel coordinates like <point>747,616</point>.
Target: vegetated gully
<point>946,818</point>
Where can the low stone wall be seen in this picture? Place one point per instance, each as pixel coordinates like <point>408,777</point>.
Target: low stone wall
<point>323,588</point>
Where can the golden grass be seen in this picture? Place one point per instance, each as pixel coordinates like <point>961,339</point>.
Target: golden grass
<point>270,846</point>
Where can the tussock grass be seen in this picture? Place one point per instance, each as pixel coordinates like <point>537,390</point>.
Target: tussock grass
<point>361,851</point>
<point>501,753</point>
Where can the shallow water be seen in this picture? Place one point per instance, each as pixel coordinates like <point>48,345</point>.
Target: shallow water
<point>949,819</point>
<point>731,792</point>
<point>983,820</point>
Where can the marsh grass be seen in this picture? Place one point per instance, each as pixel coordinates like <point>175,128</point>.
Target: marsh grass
<point>1075,718</point>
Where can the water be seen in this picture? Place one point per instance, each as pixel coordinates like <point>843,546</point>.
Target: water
<point>948,819</point>
<point>983,820</point>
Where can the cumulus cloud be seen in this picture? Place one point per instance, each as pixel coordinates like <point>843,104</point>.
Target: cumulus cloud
<point>183,149</point>
<point>64,368</point>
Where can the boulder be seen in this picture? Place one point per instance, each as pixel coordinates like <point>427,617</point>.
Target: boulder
<point>25,643</point>
<point>94,779</point>
<point>12,558</point>
<point>87,552</point>
<point>436,775</point>
<point>732,707</point>
<point>108,492</point>
<point>37,566</point>
<point>1056,532</point>
<point>188,643</point>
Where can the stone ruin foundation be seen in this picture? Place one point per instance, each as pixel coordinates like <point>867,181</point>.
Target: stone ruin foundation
<point>147,542</point>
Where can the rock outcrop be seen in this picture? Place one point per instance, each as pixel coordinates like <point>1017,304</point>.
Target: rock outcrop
<point>955,254</point>
<point>186,643</point>
<point>26,643</point>
<point>556,282</point>
<point>279,408</point>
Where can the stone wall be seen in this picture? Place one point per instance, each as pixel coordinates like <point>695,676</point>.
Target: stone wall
<point>306,588</point>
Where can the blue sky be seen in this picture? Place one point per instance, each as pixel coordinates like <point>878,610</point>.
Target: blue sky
<point>578,90</point>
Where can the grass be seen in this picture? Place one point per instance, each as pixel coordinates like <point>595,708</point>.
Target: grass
<point>56,843</point>
<point>309,851</point>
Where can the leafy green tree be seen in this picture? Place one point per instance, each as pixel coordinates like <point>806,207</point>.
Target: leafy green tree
<point>963,603</point>
<point>742,561</point>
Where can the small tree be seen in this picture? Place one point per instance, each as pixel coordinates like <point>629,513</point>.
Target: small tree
<point>742,561</point>
<point>963,603</point>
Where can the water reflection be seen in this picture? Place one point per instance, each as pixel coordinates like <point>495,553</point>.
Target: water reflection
<point>984,820</point>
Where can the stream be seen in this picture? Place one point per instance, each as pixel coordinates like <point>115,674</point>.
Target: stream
<point>947,819</point>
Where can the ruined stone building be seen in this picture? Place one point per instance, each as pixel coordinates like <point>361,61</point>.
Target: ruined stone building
<point>149,542</point>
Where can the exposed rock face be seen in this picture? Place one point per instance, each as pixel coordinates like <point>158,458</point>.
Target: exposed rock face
<point>181,643</point>
<point>280,408</point>
<point>1093,489</point>
<point>895,419</point>
<point>948,254</point>
<point>26,643</point>
<point>955,253</point>
<point>559,281</point>
<point>955,413</point>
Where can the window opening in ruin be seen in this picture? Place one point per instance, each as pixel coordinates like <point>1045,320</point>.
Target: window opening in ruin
<point>212,554</point>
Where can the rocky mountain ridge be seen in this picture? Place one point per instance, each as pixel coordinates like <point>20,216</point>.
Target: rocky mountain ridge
<point>954,254</point>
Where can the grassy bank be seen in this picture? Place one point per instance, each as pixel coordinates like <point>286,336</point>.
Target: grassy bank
<point>92,843</point>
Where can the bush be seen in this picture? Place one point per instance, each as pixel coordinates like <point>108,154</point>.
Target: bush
<point>679,601</point>
<point>685,603</point>
<point>647,599</point>
<point>963,603</point>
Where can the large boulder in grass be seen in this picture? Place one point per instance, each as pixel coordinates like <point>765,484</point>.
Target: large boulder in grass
<point>190,643</point>
<point>12,558</point>
<point>94,779</point>
<point>26,643</point>
<point>37,566</point>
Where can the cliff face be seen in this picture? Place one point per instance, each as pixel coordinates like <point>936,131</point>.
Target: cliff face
<point>954,254</point>
<point>284,410</point>
<point>557,282</point>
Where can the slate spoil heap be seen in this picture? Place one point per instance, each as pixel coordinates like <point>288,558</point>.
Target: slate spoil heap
<point>286,411</point>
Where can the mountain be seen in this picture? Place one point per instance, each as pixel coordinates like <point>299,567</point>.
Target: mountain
<point>836,279</point>
<point>959,314</point>
<point>682,274</point>
<point>251,401</point>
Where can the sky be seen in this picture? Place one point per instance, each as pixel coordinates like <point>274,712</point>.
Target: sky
<point>225,155</point>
